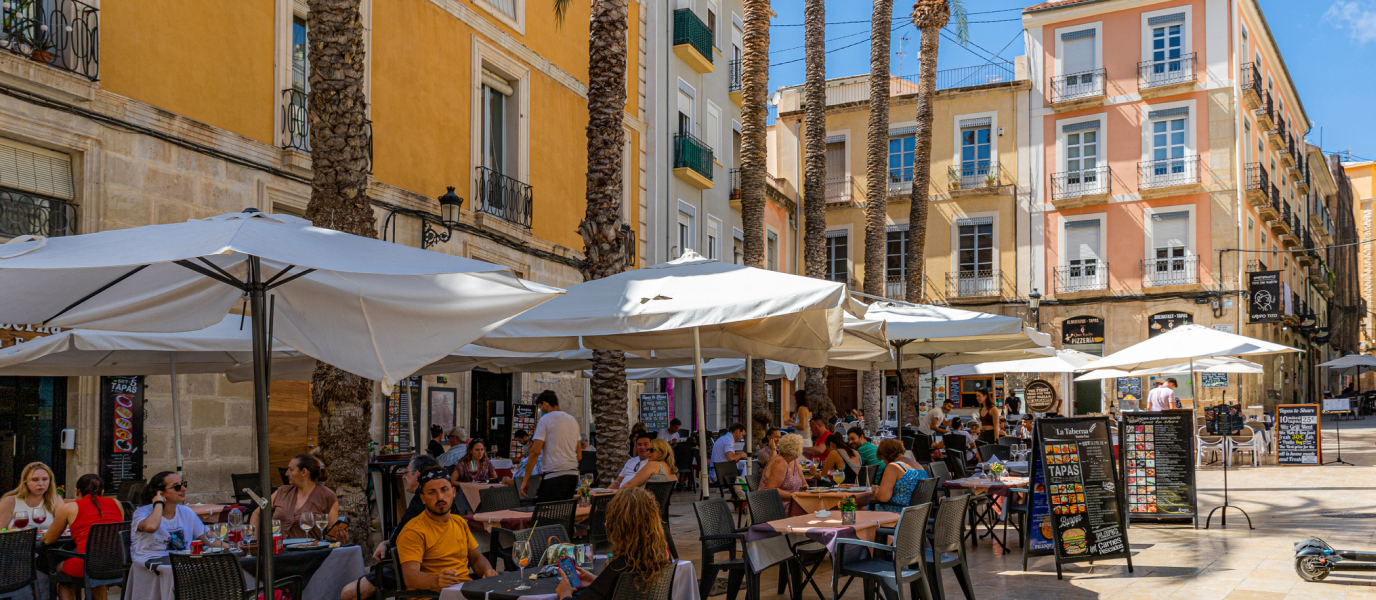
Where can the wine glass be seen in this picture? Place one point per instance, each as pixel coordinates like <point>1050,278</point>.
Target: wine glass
<point>838,476</point>
<point>321,520</point>
<point>39,518</point>
<point>212,535</point>
<point>21,519</point>
<point>520,551</point>
<point>587,480</point>
<point>307,522</point>
<point>249,532</point>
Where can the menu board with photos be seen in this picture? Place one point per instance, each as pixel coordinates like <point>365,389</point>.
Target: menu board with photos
<point>522,419</point>
<point>121,430</point>
<point>1038,540</point>
<point>1297,435</point>
<point>1087,518</point>
<point>401,415</point>
<point>1158,464</point>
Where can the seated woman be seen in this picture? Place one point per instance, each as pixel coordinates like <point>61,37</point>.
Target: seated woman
<point>302,494</point>
<point>770,447</point>
<point>783,473</point>
<point>899,480</point>
<point>638,545</point>
<point>659,468</point>
<point>475,466</point>
<point>840,456</point>
<point>35,501</point>
<point>164,523</point>
<point>89,509</point>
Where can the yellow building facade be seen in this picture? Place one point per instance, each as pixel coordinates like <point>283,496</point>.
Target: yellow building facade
<point>161,111</point>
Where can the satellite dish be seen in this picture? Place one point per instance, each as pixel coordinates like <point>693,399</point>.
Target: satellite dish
<point>775,98</point>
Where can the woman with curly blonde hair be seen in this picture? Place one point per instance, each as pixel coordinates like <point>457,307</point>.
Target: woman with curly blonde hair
<point>659,467</point>
<point>638,545</point>
<point>783,473</point>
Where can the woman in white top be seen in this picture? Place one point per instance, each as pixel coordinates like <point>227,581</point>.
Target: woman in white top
<point>34,501</point>
<point>659,467</point>
<point>804,421</point>
<point>164,523</point>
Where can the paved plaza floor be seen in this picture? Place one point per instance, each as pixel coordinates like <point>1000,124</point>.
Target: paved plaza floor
<point>1286,504</point>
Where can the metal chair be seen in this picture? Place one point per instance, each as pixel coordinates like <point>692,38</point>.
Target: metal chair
<point>634,587</point>
<point>534,490</point>
<point>766,506</point>
<point>905,567</point>
<point>399,592</point>
<point>219,577</point>
<point>18,569</point>
<point>987,451</point>
<point>947,541</point>
<point>727,474</point>
<point>664,491</point>
<point>105,562</point>
<point>597,522</point>
<point>498,498</point>
<point>717,536</point>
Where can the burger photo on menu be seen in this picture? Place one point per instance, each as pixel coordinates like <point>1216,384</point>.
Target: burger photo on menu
<point>1073,541</point>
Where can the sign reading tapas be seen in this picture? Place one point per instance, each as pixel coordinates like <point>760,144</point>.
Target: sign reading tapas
<point>1087,519</point>
<point>121,453</point>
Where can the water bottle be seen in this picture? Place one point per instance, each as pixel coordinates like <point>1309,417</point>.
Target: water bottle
<point>236,526</point>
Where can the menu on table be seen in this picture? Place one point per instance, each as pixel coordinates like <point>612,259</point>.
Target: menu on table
<point>1297,435</point>
<point>1157,449</point>
<point>1087,519</point>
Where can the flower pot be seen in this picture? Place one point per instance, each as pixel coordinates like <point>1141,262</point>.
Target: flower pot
<point>847,517</point>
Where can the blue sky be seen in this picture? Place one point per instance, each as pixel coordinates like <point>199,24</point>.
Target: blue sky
<point>1328,46</point>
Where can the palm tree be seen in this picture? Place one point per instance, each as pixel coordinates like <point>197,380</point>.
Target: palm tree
<point>339,200</point>
<point>876,184</point>
<point>929,16</point>
<point>754,87</point>
<point>815,177</point>
<point>604,244</point>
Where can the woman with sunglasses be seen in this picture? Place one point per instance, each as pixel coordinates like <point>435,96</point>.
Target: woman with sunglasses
<point>164,523</point>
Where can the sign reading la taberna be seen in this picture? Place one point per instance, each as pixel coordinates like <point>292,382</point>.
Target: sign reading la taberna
<point>1266,297</point>
<point>11,334</point>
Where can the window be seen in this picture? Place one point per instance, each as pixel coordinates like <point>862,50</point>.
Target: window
<point>687,237</point>
<point>685,113</point>
<point>1247,135</point>
<point>1166,44</point>
<point>298,121</point>
<point>901,151</point>
<point>506,7</point>
<point>1169,164</point>
<point>1083,268</point>
<point>897,242</point>
<point>1170,264</point>
<point>771,251</point>
<point>712,24</point>
<point>713,239</point>
<point>1166,60</point>
<point>36,191</point>
<point>975,257</point>
<point>974,152</point>
<point>711,128</point>
<point>494,128</point>
<point>1078,64</point>
<point>838,252</point>
<point>737,245</point>
<point>1082,160</point>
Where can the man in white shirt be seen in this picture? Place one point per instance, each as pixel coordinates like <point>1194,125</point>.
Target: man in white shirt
<point>724,449</point>
<point>934,422</point>
<point>1163,397</point>
<point>555,447</point>
<point>641,458</point>
<point>673,433</point>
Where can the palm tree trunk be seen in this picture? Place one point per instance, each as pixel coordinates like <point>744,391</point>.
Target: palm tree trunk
<point>604,244</point>
<point>922,167</point>
<point>877,188</point>
<point>754,87</point>
<point>815,178</point>
<point>337,107</point>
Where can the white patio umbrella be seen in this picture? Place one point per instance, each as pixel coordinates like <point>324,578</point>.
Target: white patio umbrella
<point>1223,364</point>
<point>372,308</point>
<point>1065,361</point>
<point>716,368</point>
<point>1346,365</point>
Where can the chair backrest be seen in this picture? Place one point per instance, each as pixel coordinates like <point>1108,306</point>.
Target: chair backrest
<point>924,492</point>
<point>714,518</point>
<point>726,477</point>
<point>868,474</point>
<point>540,539</point>
<point>597,519</point>
<point>588,462</point>
<point>1008,440</point>
<point>558,512</point>
<point>753,480</point>
<point>955,461</point>
<point>765,506</point>
<point>206,576</point>
<point>922,448</point>
<point>910,534</point>
<point>950,524</point>
<point>498,498</point>
<point>630,586</point>
<point>994,450</point>
<point>938,471</point>
<point>1245,437</point>
<point>954,442</point>
<point>107,551</point>
<point>683,457</point>
<point>17,569</point>
<point>245,480</point>
<point>663,491</point>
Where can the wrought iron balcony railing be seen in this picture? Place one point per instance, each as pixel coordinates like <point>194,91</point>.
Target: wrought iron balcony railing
<point>1251,78</point>
<point>691,152</point>
<point>734,82</point>
<point>689,29</point>
<point>1081,278</point>
<point>974,284</point>
<point>981,174</point>
<point>1266,113</point>
<point>296,123</point>
<point>1257,179</point>
<point>1180,270</point>
<point>1078,86</point>
<point>1076,184</point>
<point>63,34</point>
<point>735,175</point>
<point>23,213</point>
<point>1168,172</point>
<point>503,197</point>
<point>843,189</point>
<point>1170,71</point>
<point>629,244</point>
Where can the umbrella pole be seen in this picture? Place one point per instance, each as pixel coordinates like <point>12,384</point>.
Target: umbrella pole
<point>702,413</point>
<point>898,404</point>
<point>261,358</point>
<point>749,412</point>
<point>176,411</point>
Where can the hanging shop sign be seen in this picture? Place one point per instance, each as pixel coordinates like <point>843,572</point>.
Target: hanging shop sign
<point>1039,396</point>
<point>1082,330</point>
<point>1264,304</point>
<point>1162,322</point>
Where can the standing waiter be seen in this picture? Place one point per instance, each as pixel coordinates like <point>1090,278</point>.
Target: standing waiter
<point>555,447</point>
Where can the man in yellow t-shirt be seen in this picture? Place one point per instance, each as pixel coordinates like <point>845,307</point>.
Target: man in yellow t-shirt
<point>437,550</point>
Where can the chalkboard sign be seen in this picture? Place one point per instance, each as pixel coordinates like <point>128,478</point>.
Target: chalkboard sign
<point>1297,435</point>
<point>1081,478</point>
<point>121,430</point>
<point>1213,380</point>
<point>654,411</point>
<point>1037,539</point>
<point>1039,396</point>
<point>1158,474</point>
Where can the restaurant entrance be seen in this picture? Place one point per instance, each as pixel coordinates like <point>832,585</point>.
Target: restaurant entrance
<point>33,412</point>
<point>491,420</point>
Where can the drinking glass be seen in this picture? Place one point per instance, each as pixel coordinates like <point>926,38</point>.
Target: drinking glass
<point>587,480</point>
<point>838,476</point>
<point>248,533</point>
<point>212,535</point>
<point>520,551</point>
<point>306,522</point>
<point>39,518</point>
<point>276,526</point>
<point>21,519</point>
<point>223,530</point>
<point>321,521</point>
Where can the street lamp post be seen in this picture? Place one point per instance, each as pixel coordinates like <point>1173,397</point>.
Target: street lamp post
<point>450,205</point>
<point>1034,302</point>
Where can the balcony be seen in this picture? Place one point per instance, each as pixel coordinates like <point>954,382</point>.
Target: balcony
<point>1163,77</point>
<point>1302,182</point>
<point>974,285</point>
<point>1252,86</point>
<point>734,83</point>
<point>843,190</point>
<point>1266,113</point>
<point>1078,90</point>
<point>1167,177</point>
<point>296,132</point>
<point>1281,224</point>
<point>1161,272</point>
<point>1305,258</point>
<point>1271,210</point>
<point>1291,237</point>
<point>1318,217</point>
<point>23,213</point>
<point>503,197</point>
<point>692,40</point>
<point>1081,188</point>
<point>896,288</point>
<point>1073,279</point>
<point>1292,159</point>
<point>63,34</point>
<point>1276,137</point>
<point>1258,182</point>
<point>693,161</point>
<point>974,179</point>
<point>901,181</point>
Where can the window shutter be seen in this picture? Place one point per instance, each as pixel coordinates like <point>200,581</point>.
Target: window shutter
<point>1170,229</point>
<point>836,159</point>
<point>37,170</point>
<point>1077,55</point>
<point>497,83</point>
<point>1082,239</point>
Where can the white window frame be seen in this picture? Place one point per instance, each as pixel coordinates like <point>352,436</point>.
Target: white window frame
<point>1063,253</point>
<point>517,23</point>
<point>1149,249</point>
<point>995,155</point>
<point>687,216</point>
<point>714,139</point>
<point>1186,31</point>
<point>1098,27</point>
<point>284,11</point>
<point>771,234</point>
<point>1191,126</point>
<point>845,135</point>
<point>997,261</point>
<point>1062,156</point>
<point>487,56</point>
<point>714,229</point>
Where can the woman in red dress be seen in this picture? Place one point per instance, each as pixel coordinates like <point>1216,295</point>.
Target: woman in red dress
<point>89,509</point>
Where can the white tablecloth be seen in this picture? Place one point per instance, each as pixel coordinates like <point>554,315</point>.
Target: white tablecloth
<point>685,586</point>
<point>343,566</point>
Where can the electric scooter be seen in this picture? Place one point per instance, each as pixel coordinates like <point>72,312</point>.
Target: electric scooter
<point>1315,559</point>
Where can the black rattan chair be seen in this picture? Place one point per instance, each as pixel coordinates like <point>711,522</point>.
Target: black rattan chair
<point>905,565</point>
<point>558,512</point>
<point>664,491</point>
<point>597,523</point>
<point>502,540</point>
<point>684,452</point>
<point>634,587</point>
<point>105,562</point>
<point>922,448</point>
<point>948,549</point>
<point>1004,453</point>
<point>766,506</point>
<point>533,492</point>
<point>923,493</point>
<point>399,592</point>
<point>718,535</point>
<point>498,498</point>
<point>218,577</point>
<point>1008,440</point>
<point>727,474</point>
<point>18,569</point>
<point>587,464</point>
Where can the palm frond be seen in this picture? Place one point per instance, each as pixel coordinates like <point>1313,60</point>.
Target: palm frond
<point>561,8</point>
<point>960,21</point>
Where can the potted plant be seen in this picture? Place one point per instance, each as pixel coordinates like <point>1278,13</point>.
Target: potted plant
<point>991,179</point>
<point>848,509</point>
<point>996,470</point>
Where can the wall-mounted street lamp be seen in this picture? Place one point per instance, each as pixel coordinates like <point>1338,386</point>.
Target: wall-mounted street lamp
<point>1034,302</point>
<point>450,205</point>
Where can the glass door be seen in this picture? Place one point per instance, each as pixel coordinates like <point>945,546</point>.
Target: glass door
<point>976,259</point>
<point>974,157</point>
<point>1082,163</point>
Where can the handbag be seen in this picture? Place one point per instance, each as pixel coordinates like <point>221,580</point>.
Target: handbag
<point>556,551</point>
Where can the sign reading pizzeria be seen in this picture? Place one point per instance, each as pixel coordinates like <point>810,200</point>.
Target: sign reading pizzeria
<point>121,430</point>
<point>1039,396</point>
<point>1162,322</point>
<point>1082,330</point>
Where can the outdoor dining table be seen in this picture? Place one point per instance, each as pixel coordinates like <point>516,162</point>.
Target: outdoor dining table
<point>513,519</point>
<point>472,494</point>
<point>685,586</point>
<point>326,572</point>
<point>805,503</point>
<point>212,513</point>
<point>998,491</point>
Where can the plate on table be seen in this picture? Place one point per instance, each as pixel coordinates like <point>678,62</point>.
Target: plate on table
<point>305,545</point>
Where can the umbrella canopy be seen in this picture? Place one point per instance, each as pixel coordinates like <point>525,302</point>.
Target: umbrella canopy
<point>1352,363</point>
<point>1222,364</point>
<point>729,368</point>
<point>1185,343</point>
<point>1065,361</point>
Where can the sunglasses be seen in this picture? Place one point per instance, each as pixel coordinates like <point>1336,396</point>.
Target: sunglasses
<point>179,486</point>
